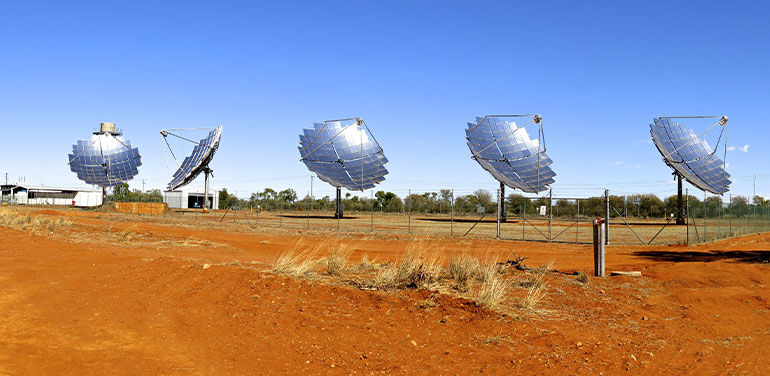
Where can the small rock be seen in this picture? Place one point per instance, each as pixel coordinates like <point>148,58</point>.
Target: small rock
<point>633,357</point>
<point>578,344</point>
<point>413,342</point>
<point>206,266</point>
<point>644,318</point>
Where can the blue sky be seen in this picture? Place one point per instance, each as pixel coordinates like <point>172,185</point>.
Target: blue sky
<point>415,71</point>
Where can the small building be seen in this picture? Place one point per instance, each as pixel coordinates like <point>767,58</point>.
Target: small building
<point>190,197</point>
<point>24,194</point>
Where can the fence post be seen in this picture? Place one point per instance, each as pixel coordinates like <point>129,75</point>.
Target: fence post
<point>550,213</point>
<point>598,230</point>
<point>577,221</point>
<point>607,216</point>
<point>452,215</point>
<point>409,209</point>
<point>280,217</point>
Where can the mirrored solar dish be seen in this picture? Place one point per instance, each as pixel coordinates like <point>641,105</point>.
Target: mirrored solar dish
<point>343,154</point>
<point>200,157</point>
<point>509,154</point>
<point>691,157</point>
<point>105,160</point>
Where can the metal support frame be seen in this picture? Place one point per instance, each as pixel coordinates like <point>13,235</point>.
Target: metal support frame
<point>339,212</point>
<point>499,209</point>
<point>503,214</point>
<point>207,171</point>
<point>681,212</point>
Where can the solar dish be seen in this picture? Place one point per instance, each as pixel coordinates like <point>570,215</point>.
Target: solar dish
<point>343,153</point>
<point>105,159</point>
<point>507,152</point>
<point>197,161</point>
<point>689,156</point>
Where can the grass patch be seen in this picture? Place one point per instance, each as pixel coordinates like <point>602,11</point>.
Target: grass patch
<point>297,261</point>
<point>463,269</point>
<point>14,220</point>
<point>337,260</point>
<point>493,291</point>
<point>419,266</point>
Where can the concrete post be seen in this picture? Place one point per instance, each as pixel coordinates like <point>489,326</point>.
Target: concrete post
<point>598,247</point>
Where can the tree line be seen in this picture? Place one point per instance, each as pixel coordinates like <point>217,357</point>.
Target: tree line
<point>482,201</point>
<point>478,202</point>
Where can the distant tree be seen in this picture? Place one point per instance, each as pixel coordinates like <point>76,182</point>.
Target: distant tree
<point>120,193</point>
<point>287,195</point>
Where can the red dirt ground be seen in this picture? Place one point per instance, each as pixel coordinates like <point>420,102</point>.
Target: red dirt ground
<point>123,294</point>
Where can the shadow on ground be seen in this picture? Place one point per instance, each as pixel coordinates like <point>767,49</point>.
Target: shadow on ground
<point>314,216</point>
<point>758,256</point>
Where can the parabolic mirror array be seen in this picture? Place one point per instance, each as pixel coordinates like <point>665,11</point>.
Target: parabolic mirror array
<point>689,156</point>
<point>509,154</point>
<point>343,154</point>
<point>105,159</point>
<point>201,156</point>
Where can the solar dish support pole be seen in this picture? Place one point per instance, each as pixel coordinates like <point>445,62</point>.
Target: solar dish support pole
<point>680,213</point>
<point>503,214</point>
<point>606,216</point>
<point>687,203</point>
<point>499,210</point>
<point>338,213</point>
<point>206,172</point>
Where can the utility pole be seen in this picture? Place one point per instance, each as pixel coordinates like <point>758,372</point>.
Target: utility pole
<point>143,181</point>
<point>6,180</point>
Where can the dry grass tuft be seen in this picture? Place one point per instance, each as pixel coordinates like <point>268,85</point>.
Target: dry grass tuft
<point>337,260</point>
<point>489,271</point>
<point>536,281</point>
<point>493,291</point>
<point>366,263</point>
<point>532,299</point>
<point>582,278</point>
<point>14,220</point>
<point>297,261</point>
<point>419,266</point>
<point>463,268</point>
<point>545,268</point>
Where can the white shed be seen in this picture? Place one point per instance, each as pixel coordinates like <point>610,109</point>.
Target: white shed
<point>24,194</point>
<point>190,197</point>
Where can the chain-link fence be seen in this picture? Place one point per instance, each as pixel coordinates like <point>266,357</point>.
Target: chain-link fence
<point>542,218</point>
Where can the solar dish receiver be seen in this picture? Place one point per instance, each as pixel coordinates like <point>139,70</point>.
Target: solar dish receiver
<point>105,159</point>
<point>690,157</point>
<point>507,152</point>
<point>343,153</point>
<point>197,162</point>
